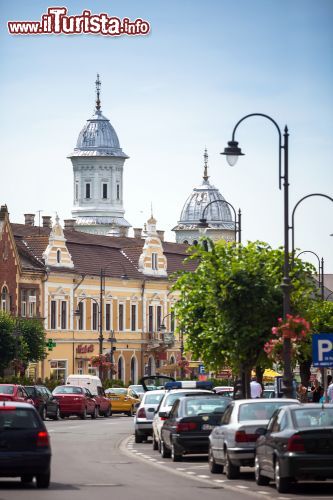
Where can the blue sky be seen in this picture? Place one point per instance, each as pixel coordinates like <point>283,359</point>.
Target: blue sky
<point>204,65</point>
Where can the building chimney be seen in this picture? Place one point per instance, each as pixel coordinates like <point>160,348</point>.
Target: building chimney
<point>29,219</point>
<point>137,232</point>
<point>47,221</point>
<point>123,231</point>
<point>160,234</point>
<point>70,223</point>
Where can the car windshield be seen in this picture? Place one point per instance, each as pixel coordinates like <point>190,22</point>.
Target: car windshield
<point>197,406</point>
<point>30,390</point>
<point>117,390</point>
<point>137,388</point>
<point>67,389</point>
<point>313,417</point>
<point>261,410</point>
<point>18,418</point>
<point>6,389</point>
<point>153,399</point>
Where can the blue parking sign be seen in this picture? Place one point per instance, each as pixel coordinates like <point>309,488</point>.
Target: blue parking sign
<point>201,369</point>
<point>322,349</point>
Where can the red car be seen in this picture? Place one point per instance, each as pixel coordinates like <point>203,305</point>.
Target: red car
<point>75,400</point>
<point>14,392</point>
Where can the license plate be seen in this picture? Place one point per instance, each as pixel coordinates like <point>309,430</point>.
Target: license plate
<point>207,427</point>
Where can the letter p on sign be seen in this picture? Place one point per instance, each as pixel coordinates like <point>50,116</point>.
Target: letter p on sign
<point>324,346</point>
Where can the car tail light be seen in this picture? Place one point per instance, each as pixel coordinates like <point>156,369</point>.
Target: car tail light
<point>295,443</point>
<point>141,413</point>
<point>186,426</point>
<point>43,439</point>
<point>243,437</point>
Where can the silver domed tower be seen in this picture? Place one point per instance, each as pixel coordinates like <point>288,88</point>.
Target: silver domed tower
<point>98,162</point>
<point>218,215</point>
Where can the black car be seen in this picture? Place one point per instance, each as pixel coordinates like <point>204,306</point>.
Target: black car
<point>25,449</point>
<point>189,424</point>
<point>45,403</point>
<point>297,444</point>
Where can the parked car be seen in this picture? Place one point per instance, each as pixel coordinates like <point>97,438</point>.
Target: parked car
<point>232,443</point>
<point>123,400</point>
<point>190,421</point>
<point>14,392</point>
<point>268,393</point>
<point>25,449</point>
<point>165,406</point>
<point>143,420</point>
<point>225,390</point>
<point>138,390</point>
<point>45,403</point>
<point>297,444</point>
<point>94,384</point>
<point>75,400</point>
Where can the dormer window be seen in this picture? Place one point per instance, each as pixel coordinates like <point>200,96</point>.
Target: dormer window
<point>154,264</point>
<point>58,256</point>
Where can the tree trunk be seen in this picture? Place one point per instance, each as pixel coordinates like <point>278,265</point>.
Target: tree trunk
<point>304,370</point>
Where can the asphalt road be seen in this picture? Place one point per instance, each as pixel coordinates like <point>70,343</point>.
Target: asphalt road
<point>98,458</point>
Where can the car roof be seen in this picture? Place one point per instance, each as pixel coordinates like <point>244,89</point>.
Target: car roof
<point>318,406</point>
<point>17,404</point>
<point>157,391</point>
<point>174,391</point>
<point>266,401</point>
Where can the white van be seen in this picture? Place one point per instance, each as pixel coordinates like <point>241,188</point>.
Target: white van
<point>95,387</point>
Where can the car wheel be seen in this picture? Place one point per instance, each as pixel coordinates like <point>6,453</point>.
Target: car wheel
<point>26,479</point>
<point>94,413</point>
<point>231,470</point>
<point>138,438</point>
<point>213,466</point>
<point>43,413</point>
<point>83,415</point>
<point>108,413</point>
<point>260,480</point>
<point>131,412</point>
<point>43,480</point>
<point>165,453</point>
<point>155,443</point>
<point>57,416</point>
<point>282,483</point>
<point>175,457</point>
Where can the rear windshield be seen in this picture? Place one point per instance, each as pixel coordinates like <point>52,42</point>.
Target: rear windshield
<point>259,411</point>
<point>6,389</point>
<point>118,391</point>
<point>169,400</point>
<point>153,399</point>
<point>197,406</point>
<point>137,388</point>
<point>67,389</point>
<point>313,417</point>
<point>20,418</point>
<point>30,390</point>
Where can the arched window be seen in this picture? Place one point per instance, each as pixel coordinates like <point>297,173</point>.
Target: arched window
<point>134,370</point>
<point>5,299</point>
<point>185,242</point>
<point>58,256</point>
<point>121,368</point>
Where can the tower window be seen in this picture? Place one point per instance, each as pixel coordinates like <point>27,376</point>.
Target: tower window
<point>76,191</point>
<point>118,192</point>
<point>88,191</point>
<point>154,264</point>
<point>58,256</point>
<point>105,191</point>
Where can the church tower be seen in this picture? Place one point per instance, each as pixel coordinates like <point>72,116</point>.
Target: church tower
<point>98,163</point>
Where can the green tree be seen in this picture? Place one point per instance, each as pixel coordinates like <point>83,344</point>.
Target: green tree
<point>7,344</point>
<point>228,306</point>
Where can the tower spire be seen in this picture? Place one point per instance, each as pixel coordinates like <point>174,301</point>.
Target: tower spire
<point>205,176</point>
<point>98,88</point>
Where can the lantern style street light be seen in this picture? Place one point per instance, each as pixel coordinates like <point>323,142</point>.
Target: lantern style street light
<point>238,225</point>
<point>232,152</point>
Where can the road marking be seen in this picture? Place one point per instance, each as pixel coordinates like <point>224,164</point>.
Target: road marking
<point>203,476</point>
<point>219,480</point>
<point>190,472</point>
<point>242,487</point>
<point>263,492</point>
<point>180,468</point>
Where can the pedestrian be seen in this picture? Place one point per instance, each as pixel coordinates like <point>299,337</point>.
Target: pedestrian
<point>256,389</point>
<point>330,389</point>
<point>302,393</point>
<point>317,391</point>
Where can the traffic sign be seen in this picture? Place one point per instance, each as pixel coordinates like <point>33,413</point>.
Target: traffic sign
<point>201,369</point>
<point>322,349</point>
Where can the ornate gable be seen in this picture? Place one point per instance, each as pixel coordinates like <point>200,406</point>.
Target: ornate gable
<point>56,253</point>
<point>152,261</point>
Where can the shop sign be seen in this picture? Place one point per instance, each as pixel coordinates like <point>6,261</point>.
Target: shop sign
<point>83,349</point>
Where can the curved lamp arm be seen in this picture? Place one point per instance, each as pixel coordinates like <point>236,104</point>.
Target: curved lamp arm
<point>203,220</point>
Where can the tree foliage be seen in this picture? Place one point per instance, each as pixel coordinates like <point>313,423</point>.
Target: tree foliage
<point>228,306</point>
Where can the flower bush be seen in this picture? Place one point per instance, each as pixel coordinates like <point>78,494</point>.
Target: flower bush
<point>294,328</point>
<point>104,361</point>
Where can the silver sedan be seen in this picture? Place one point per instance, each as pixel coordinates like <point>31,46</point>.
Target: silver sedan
<point>232,444</point>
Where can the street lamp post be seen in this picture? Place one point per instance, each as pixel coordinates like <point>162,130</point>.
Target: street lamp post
<point>238,225</point>
<point>162,329</point>
<point>232,151</point>
<point>320,270</point>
